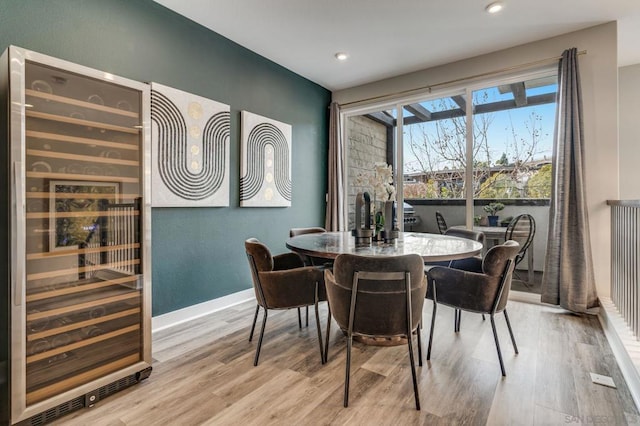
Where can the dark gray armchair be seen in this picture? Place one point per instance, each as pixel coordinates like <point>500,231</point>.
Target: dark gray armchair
<point>483,292</point>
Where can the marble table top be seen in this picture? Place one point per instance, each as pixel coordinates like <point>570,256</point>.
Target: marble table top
<point>432,247</point>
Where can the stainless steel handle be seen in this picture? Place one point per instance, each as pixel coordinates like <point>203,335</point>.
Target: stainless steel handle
<point>18,275</point>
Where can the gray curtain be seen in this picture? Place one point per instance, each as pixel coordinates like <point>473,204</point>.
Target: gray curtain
<point>336,218</point>
<point>568,278</point>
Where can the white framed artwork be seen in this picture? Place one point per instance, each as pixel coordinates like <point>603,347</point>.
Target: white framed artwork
<point>190,149</point>
<point>265,171</point>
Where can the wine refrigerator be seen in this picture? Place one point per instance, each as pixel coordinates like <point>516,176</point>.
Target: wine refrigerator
<point>78,235</point>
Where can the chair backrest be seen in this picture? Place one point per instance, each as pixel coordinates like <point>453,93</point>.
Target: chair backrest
<point>293,232</point>
<point>260,260</point>
<point>389,292</point>
<point>442,224</point>
<point>466,233</point>
<point>499,263</point>
<point>521,229</point>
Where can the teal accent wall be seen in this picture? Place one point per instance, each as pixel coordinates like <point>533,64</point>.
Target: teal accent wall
<point>197,253</point>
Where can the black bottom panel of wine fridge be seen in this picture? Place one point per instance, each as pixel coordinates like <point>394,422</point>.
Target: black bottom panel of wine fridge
<point>87,400</point>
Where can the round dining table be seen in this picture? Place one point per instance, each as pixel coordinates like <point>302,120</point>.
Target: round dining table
<point>431,247</point>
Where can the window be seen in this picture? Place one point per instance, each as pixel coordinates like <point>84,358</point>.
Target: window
<point>512,129</point>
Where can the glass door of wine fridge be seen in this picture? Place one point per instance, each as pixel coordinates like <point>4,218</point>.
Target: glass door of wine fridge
<point>80,227</point>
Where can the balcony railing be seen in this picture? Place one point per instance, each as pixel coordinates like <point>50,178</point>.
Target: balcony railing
<point>625,260</point>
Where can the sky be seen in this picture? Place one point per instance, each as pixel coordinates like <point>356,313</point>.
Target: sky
<point>500,131</point>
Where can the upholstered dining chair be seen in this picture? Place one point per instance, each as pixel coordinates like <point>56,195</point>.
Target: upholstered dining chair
<point>308,260</point>
<point>282,282</point>
<point>377,297</point>
<point>522,229</point>
<point>486,292</point>
<point>471,264</point>
<point>442,224</point>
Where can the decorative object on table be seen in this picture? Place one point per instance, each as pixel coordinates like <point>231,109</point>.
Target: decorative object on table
<point>265,171</point>
<point>476,220</point>
<point>390,231</point>
<point>380,180</point>
<point>363,232</point>
<point>492,209</point>
<point>190,154</point>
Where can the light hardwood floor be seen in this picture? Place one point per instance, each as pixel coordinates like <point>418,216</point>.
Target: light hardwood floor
<point>203,374</point>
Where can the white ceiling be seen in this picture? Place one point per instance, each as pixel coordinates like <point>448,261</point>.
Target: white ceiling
<point>392,37</point>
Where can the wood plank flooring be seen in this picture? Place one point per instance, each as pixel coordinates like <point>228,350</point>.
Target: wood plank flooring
<point>203,374</point>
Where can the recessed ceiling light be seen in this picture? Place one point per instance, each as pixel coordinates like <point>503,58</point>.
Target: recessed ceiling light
<point>341,56</point>
<point>494,7</point>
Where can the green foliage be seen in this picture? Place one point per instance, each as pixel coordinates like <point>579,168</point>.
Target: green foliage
<point>539,185</point>
<point>499,185</point>
<point>503,161</point>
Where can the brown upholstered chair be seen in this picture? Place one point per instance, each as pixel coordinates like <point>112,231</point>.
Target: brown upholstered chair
<point>302,231</point>
<point>308,260</point>
<point>377,297</point>
<point>486,292</point>
<point>282,282</point>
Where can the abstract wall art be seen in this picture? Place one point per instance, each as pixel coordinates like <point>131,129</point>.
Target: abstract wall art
<point>190,149</point>
<point>265,175</point>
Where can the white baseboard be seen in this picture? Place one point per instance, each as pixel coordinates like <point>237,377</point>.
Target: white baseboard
<point>189,313</point>
<point>625,347</point>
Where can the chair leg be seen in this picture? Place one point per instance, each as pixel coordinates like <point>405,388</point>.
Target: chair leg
<point>483,318</point>
<point>255,319</point>
<point>413,369</point>
<point>433,322</point>
<point>495,337</point>
<point>458,319</point>
<point>307,322</point>
<point>347,371</point>
<point>319,334</point>
<point>326,342</point>
<point>513,339</point>
<point>299,319</point>
<point>264,322</point>
<point>419,329</point>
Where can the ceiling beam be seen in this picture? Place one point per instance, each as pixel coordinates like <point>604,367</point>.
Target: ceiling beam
<point>460,101</point>
<point>519,93</point>
<point>419,111</point>
<point>385,119</point>
<point>547,98</point>
<point>485,108</point>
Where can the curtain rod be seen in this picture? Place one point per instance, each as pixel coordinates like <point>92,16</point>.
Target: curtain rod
<point>457,80</point>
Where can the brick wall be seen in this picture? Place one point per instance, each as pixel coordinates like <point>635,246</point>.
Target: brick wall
<point>366,145</point>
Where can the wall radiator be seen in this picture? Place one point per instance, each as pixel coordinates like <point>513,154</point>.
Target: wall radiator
<point>625,260</point>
